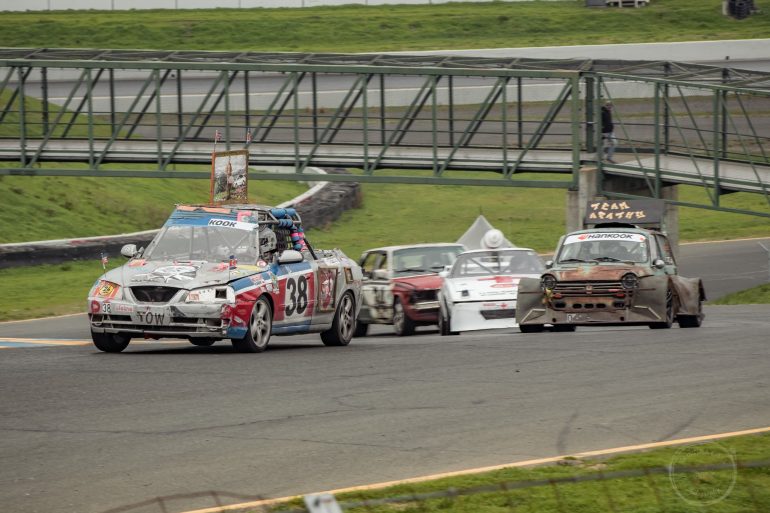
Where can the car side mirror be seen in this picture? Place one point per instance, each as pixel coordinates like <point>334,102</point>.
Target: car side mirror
<point>129,250</point>
<point>548,264</point>
<point>290,256</point>
<point>380,274</point>
<point>658,263</point>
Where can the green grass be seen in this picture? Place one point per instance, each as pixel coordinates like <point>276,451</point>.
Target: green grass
<point>751,492</point>
<point>383,28</point>
<point>42,208</point>
<point>759,295</point>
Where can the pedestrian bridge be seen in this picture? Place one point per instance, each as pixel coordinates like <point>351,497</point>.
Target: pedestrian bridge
<point>387,118</point>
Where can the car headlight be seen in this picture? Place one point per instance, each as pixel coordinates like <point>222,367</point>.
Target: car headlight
<point>548,281</point>
<point>629,281</point>
<point>107,290</point>
<point>211,295</point>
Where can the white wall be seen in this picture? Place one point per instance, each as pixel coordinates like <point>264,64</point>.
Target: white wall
<point>118,5</point>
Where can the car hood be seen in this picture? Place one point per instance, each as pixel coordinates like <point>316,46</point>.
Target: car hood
<point>182,275</point>
<point>419,281</point>
<point>584,272</point>
<point>485,287</point>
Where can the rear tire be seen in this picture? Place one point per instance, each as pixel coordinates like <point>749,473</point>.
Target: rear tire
<point>259,330</point>
<point>564,327</point>
<point>403,325</point>
<point>344,323</point>
<point>110,342</point>
<point>362,329</point>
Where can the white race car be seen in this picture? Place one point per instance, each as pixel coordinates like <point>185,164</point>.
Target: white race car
<point>479,291</point>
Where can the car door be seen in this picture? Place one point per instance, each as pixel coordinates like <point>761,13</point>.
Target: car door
<point>296,299</point>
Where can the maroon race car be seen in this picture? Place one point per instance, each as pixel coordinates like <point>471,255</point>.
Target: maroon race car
<point>401,284</point>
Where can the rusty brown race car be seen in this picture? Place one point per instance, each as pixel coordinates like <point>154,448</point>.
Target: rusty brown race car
<point>612,274</point>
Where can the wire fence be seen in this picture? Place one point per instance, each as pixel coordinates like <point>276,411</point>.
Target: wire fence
<point>729,487</point>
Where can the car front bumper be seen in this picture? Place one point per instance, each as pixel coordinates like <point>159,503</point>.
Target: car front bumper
<point>179,320</point>
<point>482,315</point>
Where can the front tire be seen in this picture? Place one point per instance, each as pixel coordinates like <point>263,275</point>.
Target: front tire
<point>692,321</point>
<point>531,328</point>
<point>403,325</point>
<point>444,323</point>
<point>259,330</point>
<point>343,325</point>
<point>666,324</point>
<point>564,327</point>
<point>110,342</point>
<point>202,342</point>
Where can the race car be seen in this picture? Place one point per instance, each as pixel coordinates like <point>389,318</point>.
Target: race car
<point>614,274</point>
<point>480,290</point>
<point>401,285</point>
<point>238,272</point>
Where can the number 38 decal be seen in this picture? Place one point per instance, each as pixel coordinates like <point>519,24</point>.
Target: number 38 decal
<point>297,293</point>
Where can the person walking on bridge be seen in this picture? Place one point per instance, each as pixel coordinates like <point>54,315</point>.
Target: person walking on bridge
<point>609,141</point>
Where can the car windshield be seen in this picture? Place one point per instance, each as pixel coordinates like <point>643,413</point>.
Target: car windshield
<point>206,243</point>
<point>497,262</point>
<point>424,260</point>
<point>604,247</point>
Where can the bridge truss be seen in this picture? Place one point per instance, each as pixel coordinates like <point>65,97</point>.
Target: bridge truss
<point>388,118</point>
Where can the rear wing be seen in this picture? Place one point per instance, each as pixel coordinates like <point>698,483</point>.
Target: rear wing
<point>646,213</point>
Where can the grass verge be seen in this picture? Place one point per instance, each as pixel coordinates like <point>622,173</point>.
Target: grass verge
<point>664,487</point>
<point>379,28</point>
<point>754,296</point>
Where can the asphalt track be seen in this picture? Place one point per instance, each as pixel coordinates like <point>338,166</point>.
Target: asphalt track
<point>86,432</point>
<point>168,423</point>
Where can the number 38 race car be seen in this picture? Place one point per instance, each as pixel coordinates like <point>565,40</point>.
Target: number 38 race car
<point>241,272</point>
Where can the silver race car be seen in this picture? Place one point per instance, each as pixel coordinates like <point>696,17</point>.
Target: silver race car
<point>238,272</point>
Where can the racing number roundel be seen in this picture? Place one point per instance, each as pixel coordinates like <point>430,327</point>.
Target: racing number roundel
<point>298,294</point>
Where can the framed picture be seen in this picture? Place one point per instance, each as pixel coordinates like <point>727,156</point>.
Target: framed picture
<point>229,177</point>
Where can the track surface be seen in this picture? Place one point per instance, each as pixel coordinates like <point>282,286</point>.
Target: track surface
<point>84,431</point>
<point>87,432</point>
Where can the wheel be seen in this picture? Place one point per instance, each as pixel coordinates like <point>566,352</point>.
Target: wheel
<point>669,313</point>
<point>564,327</point>
<point>260,328</point>
<point>444,323</point>
<point>202,342</point>
<point>343,325</point>
<point>403,325</point>
<point>531,328</point>
<point>110,342</point>
<point>362,329</point>
<point>691,321</point>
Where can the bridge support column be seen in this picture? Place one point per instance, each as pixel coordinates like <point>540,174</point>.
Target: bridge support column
<point>590,184</point>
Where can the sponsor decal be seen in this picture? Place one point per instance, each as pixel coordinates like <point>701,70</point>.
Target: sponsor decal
<point>96,307</point>
<point>327,287</point>
<point>600,236</point>
<point>106,289</point>
<point>229,223</point>
<point>137,263</point>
